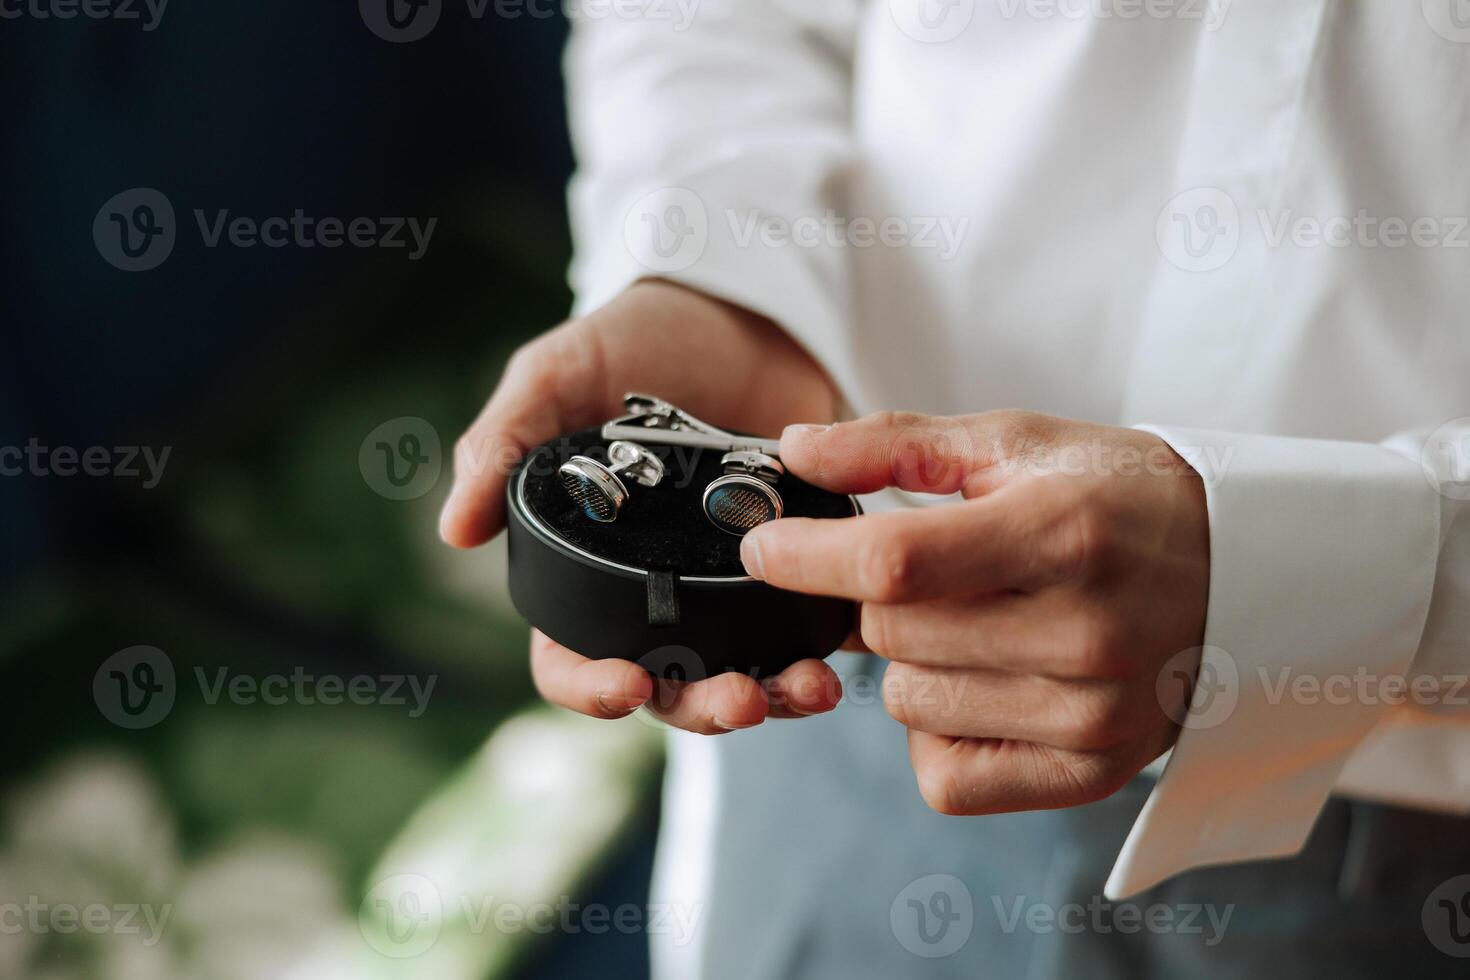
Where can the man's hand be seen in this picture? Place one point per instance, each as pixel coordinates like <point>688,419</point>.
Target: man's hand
<point>722,363</point>
<point>1043,606</point>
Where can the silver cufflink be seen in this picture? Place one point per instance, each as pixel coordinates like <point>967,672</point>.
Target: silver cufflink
<point>745,497</point>
<point>598,489</point>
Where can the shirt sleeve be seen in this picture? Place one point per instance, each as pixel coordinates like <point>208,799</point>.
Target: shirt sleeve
<point>1339,581</point>
<point>712,152</point>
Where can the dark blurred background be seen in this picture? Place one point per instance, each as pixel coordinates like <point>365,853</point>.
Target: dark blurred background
<point>274,540</point>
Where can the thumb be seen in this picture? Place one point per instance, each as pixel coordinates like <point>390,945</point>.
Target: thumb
<point>550,386</point>
<point>919,453</point>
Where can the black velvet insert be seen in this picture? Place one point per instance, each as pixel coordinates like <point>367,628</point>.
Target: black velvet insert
<point>661,528</point>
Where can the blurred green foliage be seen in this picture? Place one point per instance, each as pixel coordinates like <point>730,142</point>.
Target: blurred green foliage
<point>263,551</point>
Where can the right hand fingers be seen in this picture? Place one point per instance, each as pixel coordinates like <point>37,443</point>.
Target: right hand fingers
<point>552,385</point>
<point>614,688</point>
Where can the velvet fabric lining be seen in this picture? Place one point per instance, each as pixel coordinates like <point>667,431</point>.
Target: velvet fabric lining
<point>661,528</point>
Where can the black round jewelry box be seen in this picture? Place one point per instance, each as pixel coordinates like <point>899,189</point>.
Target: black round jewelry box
<point>661,585</point>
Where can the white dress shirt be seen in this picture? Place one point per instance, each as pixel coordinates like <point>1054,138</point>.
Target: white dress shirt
<point>1240,225</point>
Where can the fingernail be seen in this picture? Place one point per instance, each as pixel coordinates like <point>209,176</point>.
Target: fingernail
<point>617,704</point>
<point>803,430</point>
<point>725,727</point>
<point>750,556</point>
<point>777,698</point>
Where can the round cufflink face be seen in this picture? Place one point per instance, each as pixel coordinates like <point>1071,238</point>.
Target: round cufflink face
<point>737,502</point>
<point>598,489</point>
<point>594,488</point>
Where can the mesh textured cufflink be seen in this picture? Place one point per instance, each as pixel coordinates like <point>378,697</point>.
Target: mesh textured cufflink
<point>745,497</point>
<point>598,490</point>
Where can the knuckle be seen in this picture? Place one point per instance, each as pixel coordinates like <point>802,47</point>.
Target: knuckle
<point>887,569</point>
<point>477,454</point>
<point>1018,432</point>
<point>1087,541</point>
<point>528,358</point>
<point>533,366</point>
<point>926,452</point>
<point>890,419</point>
<point>1010,420</point>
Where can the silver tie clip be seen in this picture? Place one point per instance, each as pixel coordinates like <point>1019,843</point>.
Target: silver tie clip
<point>653,420</point>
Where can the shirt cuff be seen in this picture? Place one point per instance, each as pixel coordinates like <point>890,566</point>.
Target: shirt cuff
<point>1322,560</point>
